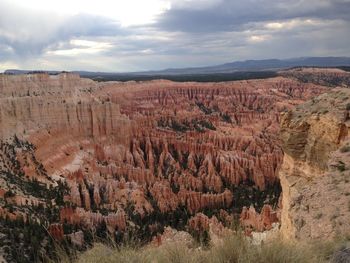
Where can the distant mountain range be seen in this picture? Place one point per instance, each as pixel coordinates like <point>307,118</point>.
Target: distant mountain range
<point>238,66</point>
<point>257,65</point>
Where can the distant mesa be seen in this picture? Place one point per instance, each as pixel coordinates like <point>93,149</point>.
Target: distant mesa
<point>238,66</point>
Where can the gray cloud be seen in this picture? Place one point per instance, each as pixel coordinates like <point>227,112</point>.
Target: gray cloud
<point>230,15</point>
<point>211,32</point>
<point>29,33</point>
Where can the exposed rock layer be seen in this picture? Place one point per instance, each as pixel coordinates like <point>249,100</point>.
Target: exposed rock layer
<point>314,175</point>
<point>120,156</point>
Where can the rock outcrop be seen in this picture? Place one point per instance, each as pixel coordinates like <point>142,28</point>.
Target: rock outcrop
<point>215,230</point>
<point>314,175</point>
<point>62,103</point>
<point>251,220</point>
<point>331,77</point>
<point>172,236</point>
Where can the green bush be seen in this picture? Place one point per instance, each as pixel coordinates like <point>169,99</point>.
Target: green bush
<point>341,166</point>
<point>345,148</point>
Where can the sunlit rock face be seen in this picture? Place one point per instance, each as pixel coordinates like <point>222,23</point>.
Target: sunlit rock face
<point>139,156</point>
<point>314,175</point>
<point>251,220</point>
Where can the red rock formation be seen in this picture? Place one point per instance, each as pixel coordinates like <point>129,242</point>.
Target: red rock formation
<point>132,150</point>
<point>196,201</point>
<point>166,199</point>
<point>56,232</point>
<point>251,220</point>
<point>114,221</point>
<point>201,223</point>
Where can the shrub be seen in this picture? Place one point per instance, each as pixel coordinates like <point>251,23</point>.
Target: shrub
<point>9,194</point>
<point>207,124</point>
<point>233,249</point>
<point>345,149</point>
<point>341,166</point>
<point>318,216</point>
<point>226,118</point>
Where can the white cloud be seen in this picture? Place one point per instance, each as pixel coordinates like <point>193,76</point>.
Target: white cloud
<point>127,12</point>
<point>81,46</point>
<point>258,38</point>
<point>147,51</point>
<point>7,65</point>
<point>194,4</point>
<point>292,23</point>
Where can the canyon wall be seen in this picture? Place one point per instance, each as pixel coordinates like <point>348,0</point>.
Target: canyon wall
<point>84,157</point>
<point>30,103</point>
<point>314,176</point>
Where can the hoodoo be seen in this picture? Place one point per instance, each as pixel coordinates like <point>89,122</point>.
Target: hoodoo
<point>113,158</point>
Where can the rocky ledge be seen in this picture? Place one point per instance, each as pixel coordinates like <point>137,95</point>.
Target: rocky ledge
<point>315,174</point>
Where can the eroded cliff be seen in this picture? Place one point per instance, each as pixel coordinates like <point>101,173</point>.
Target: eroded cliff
<point>314,175</point>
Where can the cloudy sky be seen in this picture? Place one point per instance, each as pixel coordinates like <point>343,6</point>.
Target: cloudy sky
<point>134,35</point>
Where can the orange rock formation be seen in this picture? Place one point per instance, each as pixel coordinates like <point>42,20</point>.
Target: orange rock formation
<point>136,151</point>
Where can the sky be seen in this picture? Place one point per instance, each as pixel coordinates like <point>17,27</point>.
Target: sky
<point>138,35</point>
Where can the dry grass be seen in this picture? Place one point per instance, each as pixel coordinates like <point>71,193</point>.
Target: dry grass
<point>234,249</point>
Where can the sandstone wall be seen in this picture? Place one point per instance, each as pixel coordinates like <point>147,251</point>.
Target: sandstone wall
<point>313,175</point>
<point>29,103</point>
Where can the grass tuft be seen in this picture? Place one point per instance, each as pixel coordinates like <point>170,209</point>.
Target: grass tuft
<point>233,249</point>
